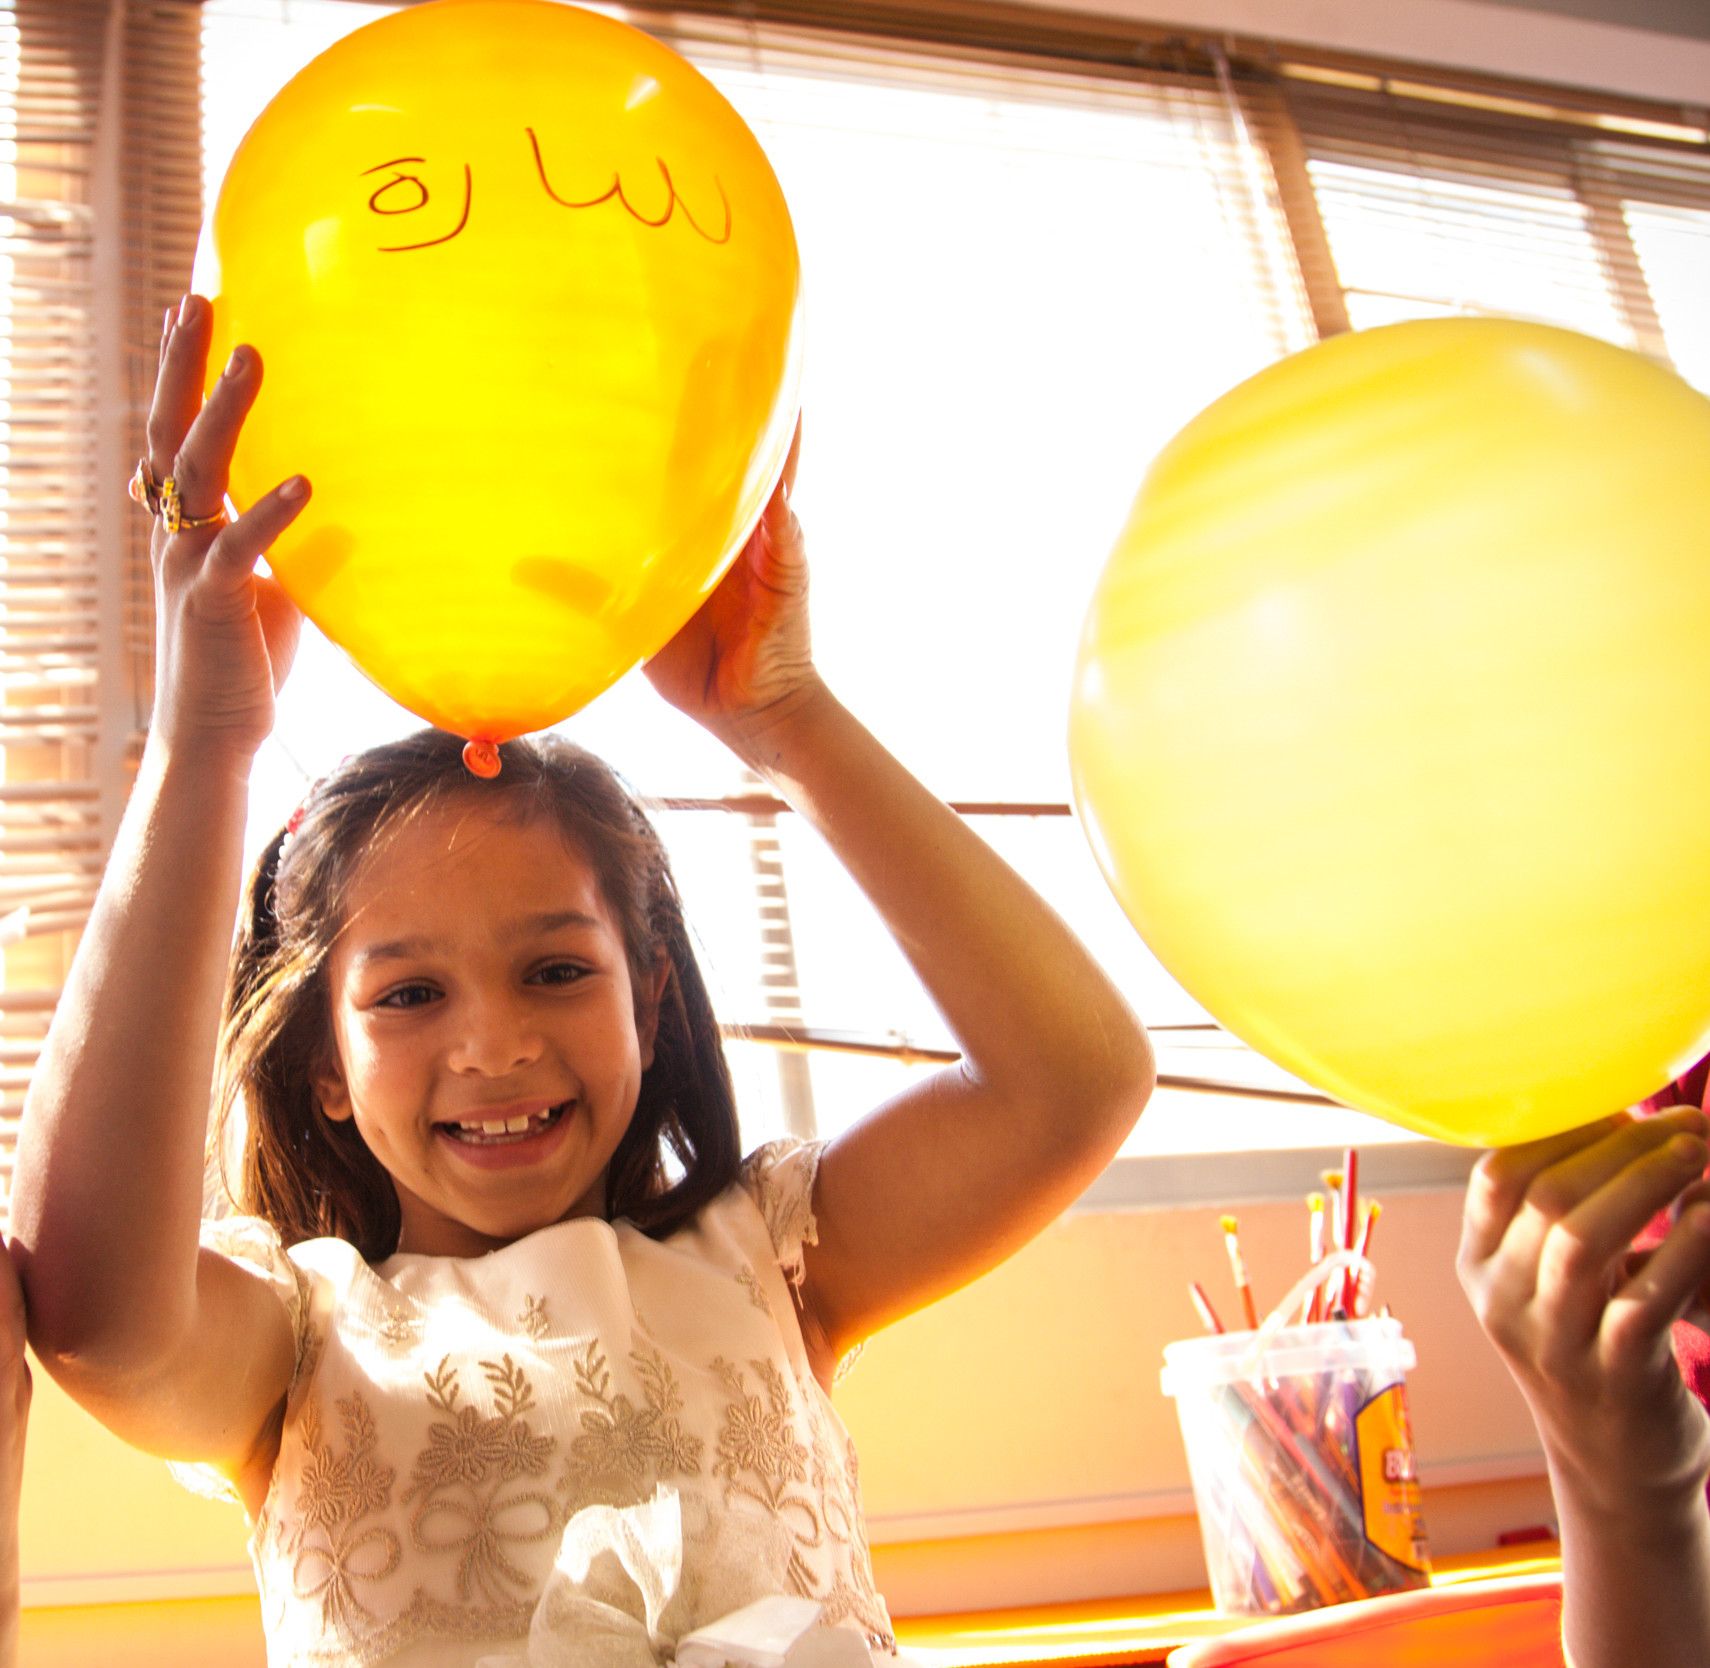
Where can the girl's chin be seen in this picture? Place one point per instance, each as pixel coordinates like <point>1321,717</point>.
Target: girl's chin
<point>462,1228</point>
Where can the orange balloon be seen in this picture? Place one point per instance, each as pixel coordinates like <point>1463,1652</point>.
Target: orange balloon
<point>527,294</point>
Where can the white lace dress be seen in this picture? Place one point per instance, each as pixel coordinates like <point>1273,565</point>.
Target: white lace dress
<point>449,1419</point>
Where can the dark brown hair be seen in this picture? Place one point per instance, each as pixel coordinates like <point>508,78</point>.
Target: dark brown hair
<point>310,1176</point>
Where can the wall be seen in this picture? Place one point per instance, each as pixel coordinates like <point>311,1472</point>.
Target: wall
<point>1666,17</point>
<point>1496,39</point>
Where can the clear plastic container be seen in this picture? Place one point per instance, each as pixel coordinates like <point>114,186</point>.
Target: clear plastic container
<point>1301,1453</point>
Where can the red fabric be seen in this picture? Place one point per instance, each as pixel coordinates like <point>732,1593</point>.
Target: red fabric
<point>1691,1346</point>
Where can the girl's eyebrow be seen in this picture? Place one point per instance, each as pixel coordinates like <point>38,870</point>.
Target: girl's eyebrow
<point>403,949</point>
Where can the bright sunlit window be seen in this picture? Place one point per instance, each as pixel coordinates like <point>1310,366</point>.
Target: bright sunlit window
<point>1020,284</point>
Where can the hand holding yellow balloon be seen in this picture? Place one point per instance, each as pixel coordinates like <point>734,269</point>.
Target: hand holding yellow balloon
<point>527,294</point>
<point>1392,718</point>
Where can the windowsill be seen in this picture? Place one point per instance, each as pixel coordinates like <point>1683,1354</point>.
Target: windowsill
<point>1170,1181</point>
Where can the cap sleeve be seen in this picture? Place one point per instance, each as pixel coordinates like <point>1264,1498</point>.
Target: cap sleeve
<point>254,1245</point>
<point>779,1177</point>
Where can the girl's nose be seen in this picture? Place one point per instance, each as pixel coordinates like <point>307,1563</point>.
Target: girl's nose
<point>499,1038</point>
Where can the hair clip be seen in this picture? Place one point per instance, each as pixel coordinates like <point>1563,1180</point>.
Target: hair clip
<point>292,824</point>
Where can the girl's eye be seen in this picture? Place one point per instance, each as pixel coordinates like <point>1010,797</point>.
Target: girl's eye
<point>408,996</point>
<point>559,973</point>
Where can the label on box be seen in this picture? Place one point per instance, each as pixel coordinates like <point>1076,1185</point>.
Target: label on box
<point>1389,1485</point>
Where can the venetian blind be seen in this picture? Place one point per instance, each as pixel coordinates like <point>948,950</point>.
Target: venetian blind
<point>1442,199</point>
<point>99,206</point>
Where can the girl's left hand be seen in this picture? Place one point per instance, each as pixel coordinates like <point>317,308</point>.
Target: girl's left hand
<point>1582,1322</point>
<point>744,659</point>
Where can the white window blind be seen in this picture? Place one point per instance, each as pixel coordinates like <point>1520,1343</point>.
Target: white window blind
<point>75,340</point>
<point>1560,216</point>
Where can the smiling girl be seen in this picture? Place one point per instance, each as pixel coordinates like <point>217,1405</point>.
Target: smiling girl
<point>503,1284</point>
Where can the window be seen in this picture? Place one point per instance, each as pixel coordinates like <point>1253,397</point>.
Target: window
<point>1430,209</point>
<point>1020,282</point>
<point>1029,262</point>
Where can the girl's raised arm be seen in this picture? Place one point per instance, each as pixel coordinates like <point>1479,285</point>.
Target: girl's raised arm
<point>177,1350</point>
<point>946,1180</point>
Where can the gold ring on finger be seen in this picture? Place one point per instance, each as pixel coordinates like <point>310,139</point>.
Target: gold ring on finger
<point>172,516</point>
<point>144,489</point>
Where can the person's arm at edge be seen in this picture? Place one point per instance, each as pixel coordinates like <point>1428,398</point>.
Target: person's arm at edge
<point>15,1414</point>
<point>1585,1331</point>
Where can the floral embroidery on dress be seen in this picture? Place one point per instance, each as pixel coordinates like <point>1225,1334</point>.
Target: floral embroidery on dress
<point>839,1489</point>
<point>532,1318</point>
<point>625,1451</point>
<point>758,1436</point>
<point>463,1480</point>
<point>756,1292</point>
<point>759,1458</point>
<point>416,1502</point>
<point>331,1548</point>
<point>401,1328</point>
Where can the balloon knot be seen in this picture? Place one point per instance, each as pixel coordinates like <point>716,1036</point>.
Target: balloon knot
<point>481,758</point>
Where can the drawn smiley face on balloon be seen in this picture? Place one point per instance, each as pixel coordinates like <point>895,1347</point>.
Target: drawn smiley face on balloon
<point>527,294</point>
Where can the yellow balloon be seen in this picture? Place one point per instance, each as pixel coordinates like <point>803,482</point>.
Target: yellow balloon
<point>527,292</point>
<point>1391,718</point>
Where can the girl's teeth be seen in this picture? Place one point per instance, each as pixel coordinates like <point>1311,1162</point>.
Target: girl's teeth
<point>490,1128</point>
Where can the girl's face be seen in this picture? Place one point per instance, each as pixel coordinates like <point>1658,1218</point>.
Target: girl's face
<point>489,1041</point>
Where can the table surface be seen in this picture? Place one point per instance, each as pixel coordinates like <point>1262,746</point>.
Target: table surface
<point>1105,1633</point>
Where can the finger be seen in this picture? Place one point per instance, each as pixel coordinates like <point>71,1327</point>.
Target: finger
<point>178,387</point>
<point>165,336</point>
<point>1582,1252</point>
<point>1609,1174</point>
<point>788,478</point>
<point>1518,1195</point>
<point>1669,1285</point>
<point>776,555</point>
<point>240,544</point>
<point>1500,1179</point>
<point>202,467</point>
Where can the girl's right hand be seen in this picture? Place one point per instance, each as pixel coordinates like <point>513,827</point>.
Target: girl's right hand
<point>224,634</point>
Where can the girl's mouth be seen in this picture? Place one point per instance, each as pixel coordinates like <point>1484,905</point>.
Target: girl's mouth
<point>503,1132</point>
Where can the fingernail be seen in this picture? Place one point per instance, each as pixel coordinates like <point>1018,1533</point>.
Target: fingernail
<point>1687,1149</point>
<point>166,322</point>
<point>189,309</point>
<point>295,488</point>
<point>235,366</point>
